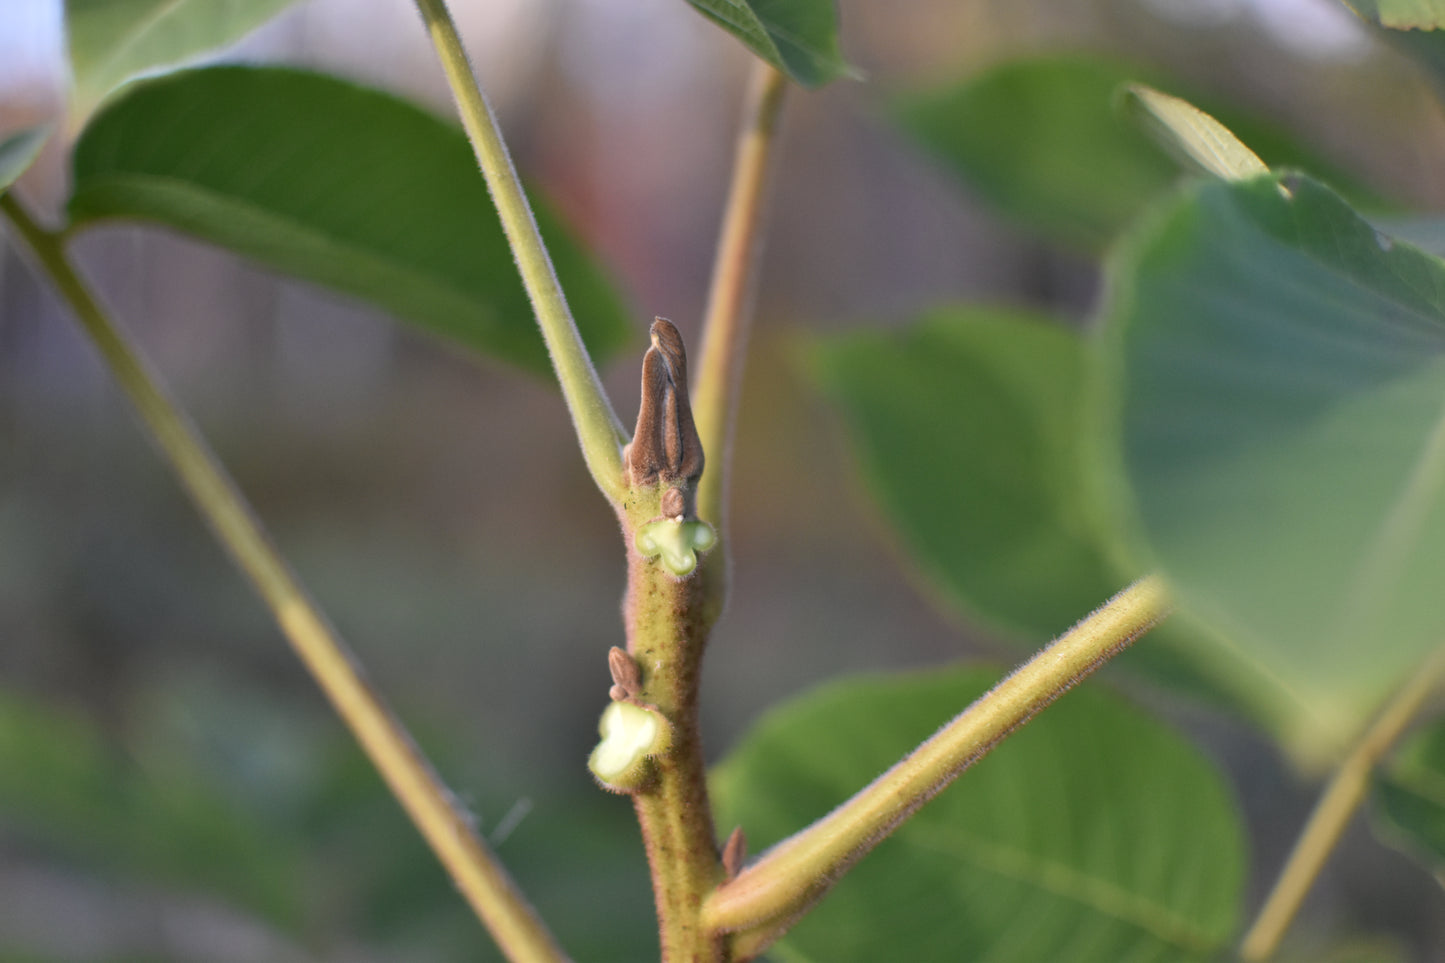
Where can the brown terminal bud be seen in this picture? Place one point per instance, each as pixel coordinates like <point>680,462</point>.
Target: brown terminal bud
<point>626,677</point>
<point>665,446</point>
<point>735,850</point>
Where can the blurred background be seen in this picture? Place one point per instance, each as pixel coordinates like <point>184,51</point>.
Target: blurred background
<point>180,790</point>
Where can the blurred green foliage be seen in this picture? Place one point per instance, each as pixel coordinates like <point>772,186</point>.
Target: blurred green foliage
<point>1410,798</point>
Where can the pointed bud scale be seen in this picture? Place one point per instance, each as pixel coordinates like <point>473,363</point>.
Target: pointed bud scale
<point>665,446</point>
<point>735,851</point>
<point>625,674</point>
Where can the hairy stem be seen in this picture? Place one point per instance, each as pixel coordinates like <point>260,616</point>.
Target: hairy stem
<point>726,320</point>
<point>1336,807</point>
<point>473,867</point>
<point>762,901</point>
<point>667,630</point>
<point>599,431</point>
<point>725,323</point>
<point>666,635</point>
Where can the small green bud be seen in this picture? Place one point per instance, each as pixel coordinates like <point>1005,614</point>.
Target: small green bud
<point>631,734</point>
<point>678,543</point>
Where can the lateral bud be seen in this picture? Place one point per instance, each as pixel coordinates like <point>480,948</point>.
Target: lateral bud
<point>676,542</point>
<point>665,446</point>
<point>631,735</point>
<point>626,677</point>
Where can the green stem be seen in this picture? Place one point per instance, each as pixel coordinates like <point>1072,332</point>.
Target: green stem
<point>761,902</point>
<point>726,320</point>
<point>599,431</point>
<point>1336,807</point>
<point>725,323</point>
<point>473,867</point>
<point>666,634</point>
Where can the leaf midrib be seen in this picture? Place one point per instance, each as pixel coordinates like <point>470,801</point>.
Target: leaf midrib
<point>326,239</point>
<point>140,28</point>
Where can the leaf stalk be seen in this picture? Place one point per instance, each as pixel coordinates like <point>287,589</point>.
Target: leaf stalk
<point>1334,810</point>
<point>727,317</point>
<point>766,898</point>
<point>599,431</point>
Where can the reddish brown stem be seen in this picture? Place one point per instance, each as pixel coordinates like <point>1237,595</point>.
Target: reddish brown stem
<point>666,636</point>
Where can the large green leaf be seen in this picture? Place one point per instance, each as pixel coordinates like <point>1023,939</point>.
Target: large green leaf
<point>799,37</point>
<point>337,184</point>
<point>968,427</point>
<point>1091,834</point>
<point>1410,798</point>
<point>1271,419</point>
<point>112,41</point>
<point>62,785</point>
<point>1041,139</point>
<point>18,151</point>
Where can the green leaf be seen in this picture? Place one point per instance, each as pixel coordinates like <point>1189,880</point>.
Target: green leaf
<point>62,785</point>
<point>799,37</point>
<point>337,184</point>
<point>1272,388</point>
<point>1041,140</point>
<point>969,428</point>
<point>1194,137</point>
<point>1410,799</point>
<point>18,152</point>
<point>1092,834</point>
<point>1401,14</point>
<point>112,41</point>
